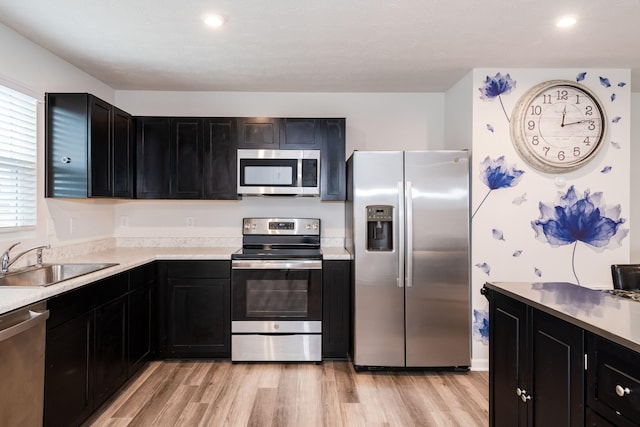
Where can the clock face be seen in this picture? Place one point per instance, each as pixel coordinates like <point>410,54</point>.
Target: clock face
<point>558,126</point>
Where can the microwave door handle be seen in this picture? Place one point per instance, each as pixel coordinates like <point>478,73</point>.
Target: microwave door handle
<point>299,172</point>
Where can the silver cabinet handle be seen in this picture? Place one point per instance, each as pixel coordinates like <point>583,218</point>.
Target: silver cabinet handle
<point>522,393</point>
<point>66,159</point>
<point>621,391</point>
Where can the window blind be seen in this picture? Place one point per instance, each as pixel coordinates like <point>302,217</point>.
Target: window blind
<point>18,154</point>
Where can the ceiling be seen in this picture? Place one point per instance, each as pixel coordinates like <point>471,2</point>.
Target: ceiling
<point>324,45</point>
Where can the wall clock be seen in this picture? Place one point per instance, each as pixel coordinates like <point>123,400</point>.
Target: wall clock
<point>558,126</point>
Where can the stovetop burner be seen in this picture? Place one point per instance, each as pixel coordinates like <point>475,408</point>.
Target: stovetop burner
<point>632,294</point>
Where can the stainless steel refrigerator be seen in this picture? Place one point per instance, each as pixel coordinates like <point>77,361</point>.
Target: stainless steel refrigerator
<point>407,220</point>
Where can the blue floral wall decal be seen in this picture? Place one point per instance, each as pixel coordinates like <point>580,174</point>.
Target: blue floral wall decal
<point>496,86</point>
<point>605,82</point>
<point>574,219</point>
<point>490,128</point>
<point>537,272</point>
<point>622,84</point>
<point>520,200</point>
<point>580,77</point>
<point>615,145</point>
<point>517,253</point>
<point>481,325</point>
<point>486,268</point>
<point>616,119</point>
<point>606,169</point>
<point>613,97</point>
<point>498,234</point>
<point>495,174</point>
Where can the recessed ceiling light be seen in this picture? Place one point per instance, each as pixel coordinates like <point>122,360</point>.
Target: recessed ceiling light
<point>565,21</point>
<point>214,20</point>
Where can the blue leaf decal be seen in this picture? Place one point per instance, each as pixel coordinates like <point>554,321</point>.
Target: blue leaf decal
<point>481,325</point>
<point>615,145</point>
<point>484,267</point>
<point>606,169</point>
<point>520,200</point>
<point>537,272</point>
<point>489,128</point>
<point>497,234</point>
<point>616,119</point>
<point>581,77</point>
<point>605,82</point>
<point>622,84</point>
<point>613,97</point>
<point>517,253</point>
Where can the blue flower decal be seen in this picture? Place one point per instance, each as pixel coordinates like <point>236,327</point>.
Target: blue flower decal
<point>496,86</point>
<point>496,174</point>
<point>481,325</point>
<point>576,219</point>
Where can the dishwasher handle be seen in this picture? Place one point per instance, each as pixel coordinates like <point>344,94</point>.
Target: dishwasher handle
<point>35,318</point>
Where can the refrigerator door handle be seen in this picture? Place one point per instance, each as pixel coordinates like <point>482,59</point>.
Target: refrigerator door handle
<point>409,238</point>
<point>399,230</point>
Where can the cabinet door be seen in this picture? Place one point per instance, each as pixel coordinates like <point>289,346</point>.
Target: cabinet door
<point>123,154</point>
<point>301,134</point>
<point>333,184</point>
<point>100,155</point>
<point>258,132</point>
<point>220,159</point>
<point>558,372</point>
<point>199,317</point>
<point>66,145</point>
<point>153,154</point>
<point>186,157</point>
<point>507,362</point>
<point>336,322</point>
<point>110,369</point>
<point>142,281</point>
<point>68,383</point>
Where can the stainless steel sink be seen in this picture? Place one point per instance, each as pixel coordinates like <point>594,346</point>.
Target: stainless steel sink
<point>50,274</point>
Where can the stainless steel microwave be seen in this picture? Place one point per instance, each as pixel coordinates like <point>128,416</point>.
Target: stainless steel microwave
<point>279,172</point>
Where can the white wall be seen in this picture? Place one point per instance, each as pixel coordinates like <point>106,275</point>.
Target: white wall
<point>635,175</point>
<point>381,121</point>
<point>27,67</point>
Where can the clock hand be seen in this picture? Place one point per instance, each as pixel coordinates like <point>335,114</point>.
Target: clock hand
<point>564,113</point>
<point>575,123</point>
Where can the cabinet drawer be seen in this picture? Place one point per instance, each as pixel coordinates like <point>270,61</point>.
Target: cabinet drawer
<point>199,269</point>
<point>614,380</point>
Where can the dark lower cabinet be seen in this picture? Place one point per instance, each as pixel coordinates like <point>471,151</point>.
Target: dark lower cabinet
<point>140,320</point>
<point>87,350</point>
<point>336,322</point>
<point>110,358</point>
<point>536,367</point>
<point>68,381</point>
<point>613,384</point>
<point>197,309</point>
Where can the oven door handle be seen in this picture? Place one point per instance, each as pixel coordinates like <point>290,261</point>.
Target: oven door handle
<point>276,264</point>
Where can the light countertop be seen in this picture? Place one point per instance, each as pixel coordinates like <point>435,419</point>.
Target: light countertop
<point>614,318</point>
<point>127,258</point>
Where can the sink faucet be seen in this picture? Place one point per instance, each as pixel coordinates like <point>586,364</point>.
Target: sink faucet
<point>7,262</point>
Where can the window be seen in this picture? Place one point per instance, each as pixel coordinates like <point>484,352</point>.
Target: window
<point>18,153</point>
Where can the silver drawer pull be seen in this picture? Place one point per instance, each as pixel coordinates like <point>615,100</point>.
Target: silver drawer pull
<point>621,391</point>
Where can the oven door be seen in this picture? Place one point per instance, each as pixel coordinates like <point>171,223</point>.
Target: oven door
<point>267,290</point>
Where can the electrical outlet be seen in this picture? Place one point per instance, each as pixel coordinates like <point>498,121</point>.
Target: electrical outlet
<point>73,224</point>
<point>190,221</point>
<point>51,228</point>
<point>124,221</point>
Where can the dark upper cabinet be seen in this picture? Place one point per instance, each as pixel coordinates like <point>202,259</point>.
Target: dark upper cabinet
<point>301,134</point>
<point>88,146</point>
<point>536,367</point>
<point>124,154</point>
<point>219,162</point>
<point>186,158</point>
<point>259,132</point>
<point>153,171</point>
<point>333,173</point>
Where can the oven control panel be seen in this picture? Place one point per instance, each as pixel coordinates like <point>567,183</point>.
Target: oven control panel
<point>286,226</point>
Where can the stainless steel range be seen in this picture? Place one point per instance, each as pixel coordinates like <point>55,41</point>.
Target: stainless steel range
<point>276,291</point>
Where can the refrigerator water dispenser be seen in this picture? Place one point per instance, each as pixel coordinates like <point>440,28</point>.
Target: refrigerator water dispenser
<point>380,228</point>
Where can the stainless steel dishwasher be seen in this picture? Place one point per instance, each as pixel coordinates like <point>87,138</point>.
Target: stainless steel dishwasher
<point>22,343</point>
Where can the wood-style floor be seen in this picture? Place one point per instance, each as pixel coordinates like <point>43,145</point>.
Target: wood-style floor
<point>219,393</point>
